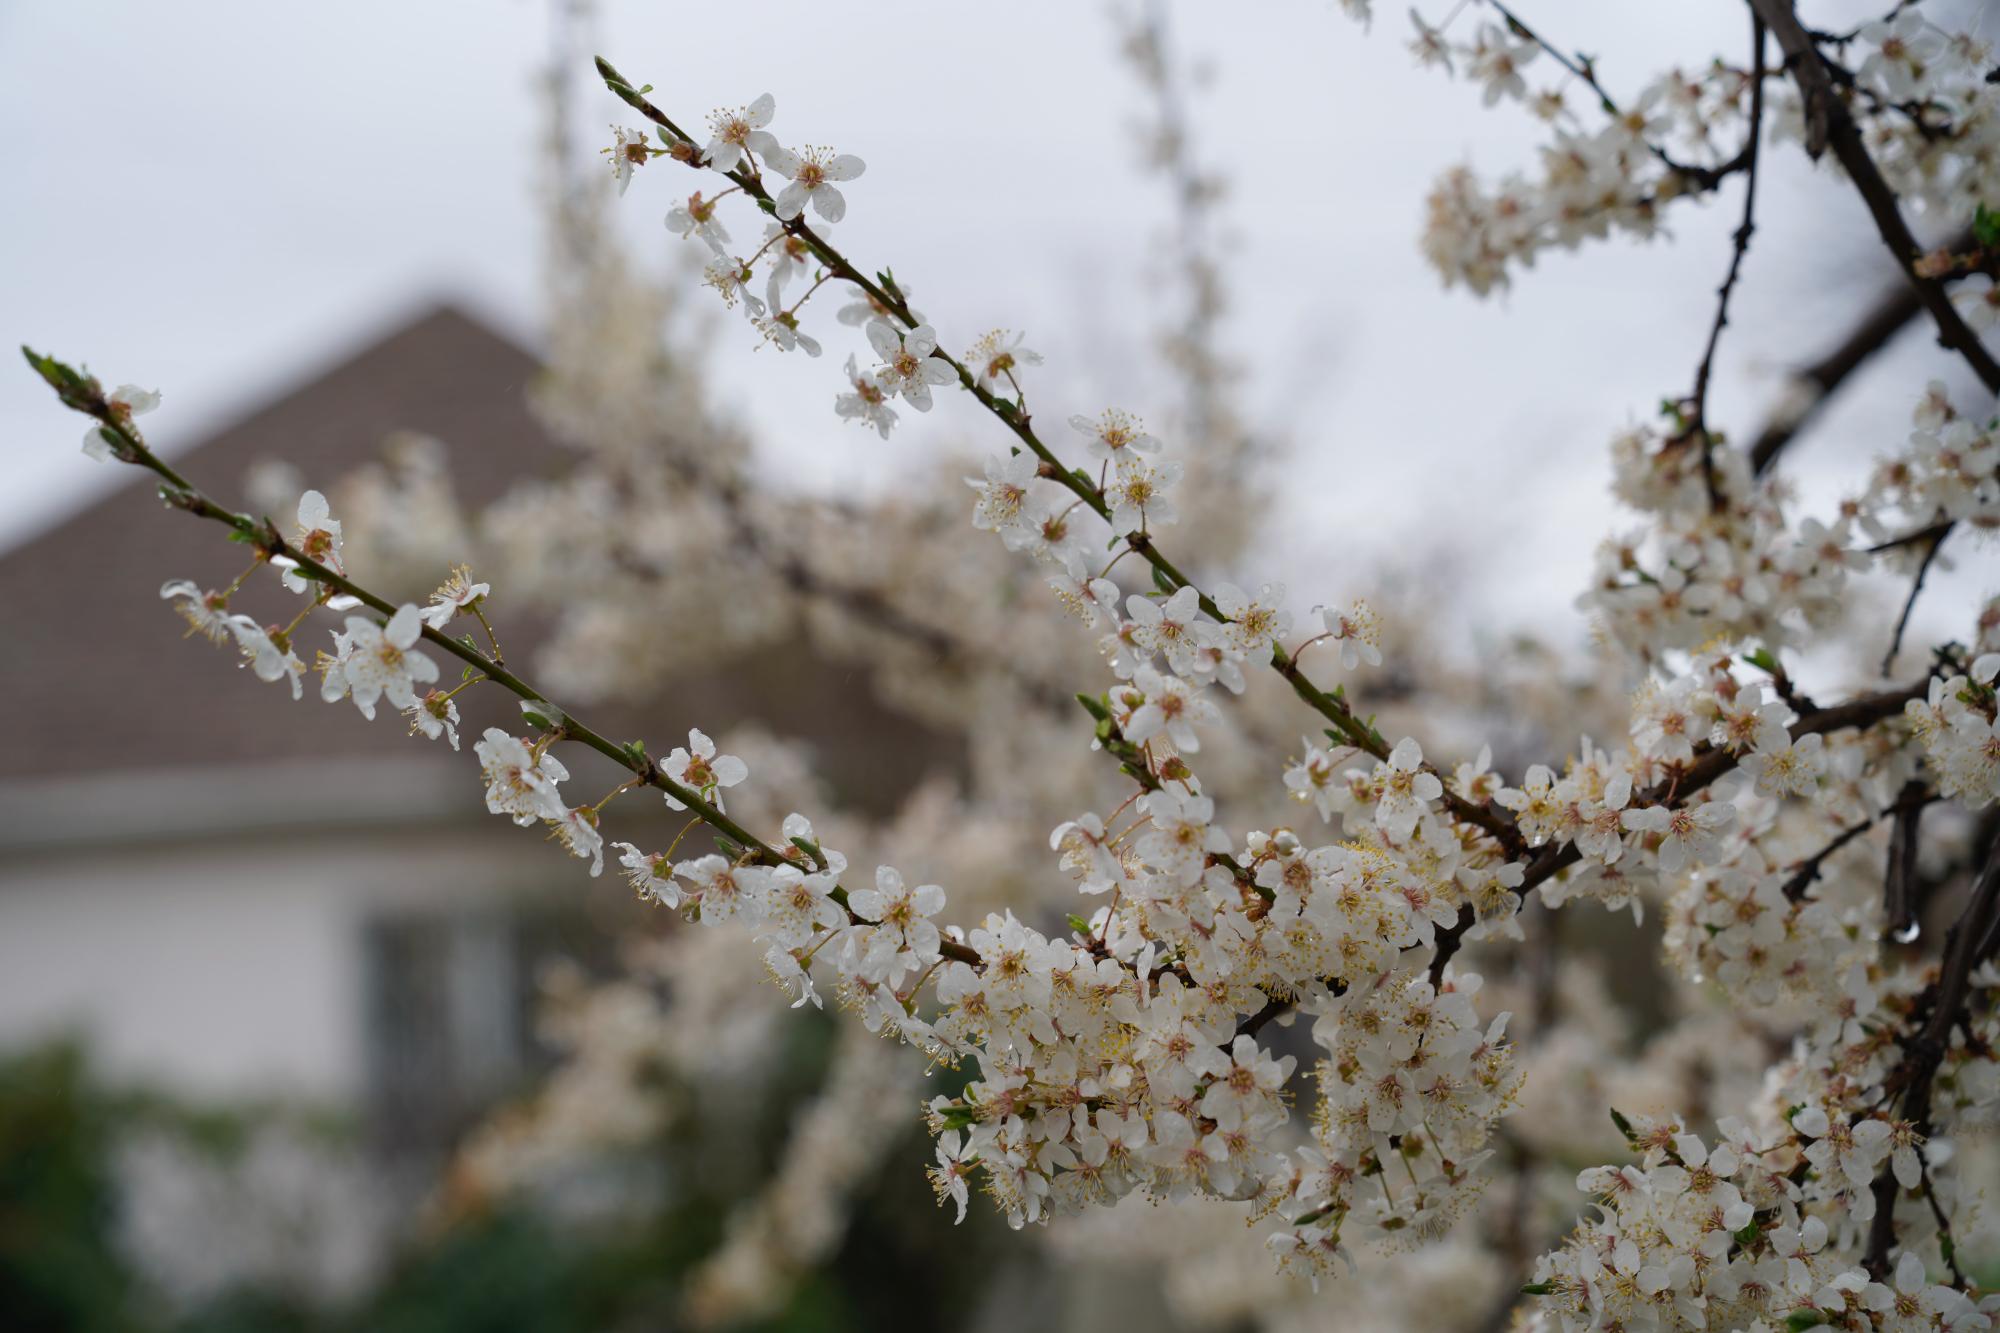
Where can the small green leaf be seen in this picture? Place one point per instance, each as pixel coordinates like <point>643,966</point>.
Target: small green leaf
<point>1986,226</point>
<point>1078,924</point>
<point>539,712</point>
<point>811,849</point>
<point>1537,1288</point>
<point>1806,1318</point>
<point>1624,1125</point>
<point>1762,659</point>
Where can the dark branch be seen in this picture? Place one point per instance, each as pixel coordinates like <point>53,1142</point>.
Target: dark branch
<point>1806,871</point>
<point>1890,314</point>
<point>1925,1050</point>
<point>1910,602</point>
<point>1899,876</point>
<point>1829,125</point>
<point>1698,400</point>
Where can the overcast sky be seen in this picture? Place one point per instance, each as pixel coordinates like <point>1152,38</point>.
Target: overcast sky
<point>215,198</point>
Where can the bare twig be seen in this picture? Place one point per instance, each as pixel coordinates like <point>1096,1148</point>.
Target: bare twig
<point>1910,602</point>
<point>1808,870</point>
<point>1899,875</point>
<point>1890,314</point>
<point>1740,244</point>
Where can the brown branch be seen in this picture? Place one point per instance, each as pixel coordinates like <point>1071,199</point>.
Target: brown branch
<point>1864,711</point>
<point>1830,125</point>
<point>1935,530</point>
<point>83,394</point>
<point>1899,875</point>
<point>1890,314</point>
<point>1740,245</point>
<point>1910,602</point>
<point>1944,1223</point>
<point>1925,1050</point>
<point>1808,870</point>
<point>1700,178</point>
<point>887,297</point>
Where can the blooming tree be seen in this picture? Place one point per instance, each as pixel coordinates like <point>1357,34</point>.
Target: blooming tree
<point>1792,844</point>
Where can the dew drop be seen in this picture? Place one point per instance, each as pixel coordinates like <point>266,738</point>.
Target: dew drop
<point>1907,934</point>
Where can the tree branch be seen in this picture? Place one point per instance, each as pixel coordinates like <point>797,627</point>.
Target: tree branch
<point>84,395</point>
<point>1740,245</point>
<point>1925,1051</point>
<point>886,296</point>
<point>1910,602</point>
<point>1890,314</point>
<point>1829,124</point>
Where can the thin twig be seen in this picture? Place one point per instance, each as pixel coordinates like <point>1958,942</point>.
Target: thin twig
<point>1808,870</point>
<point>1910,602</point>
<point>1700,177</point>
<point>1899,873</point>
<point>1740,245</point>
<point>1890,315</point>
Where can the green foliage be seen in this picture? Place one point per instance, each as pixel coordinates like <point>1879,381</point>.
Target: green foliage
<point>58,1268</point>
<point>1986,226</point>
<point>513,1270</point>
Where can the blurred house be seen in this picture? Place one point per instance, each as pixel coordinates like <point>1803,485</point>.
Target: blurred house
<point>229,893</point>
<point>226,892</point>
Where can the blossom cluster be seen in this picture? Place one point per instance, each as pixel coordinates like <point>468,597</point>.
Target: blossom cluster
<point>1151,1048</point>
<point>1742,567</point>
<point>1722,1236</point>
<point>1607,169</point>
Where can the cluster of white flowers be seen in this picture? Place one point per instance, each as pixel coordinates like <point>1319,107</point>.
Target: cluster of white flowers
<point>1931,115</point>
<point>1723,1236</point>
<point>1129,1054</point>
<point>1607,168</point>
<point>1764,1225</point>
<point>1742,568</point>
<point>267,652</point>
<point>1960,734</point>
<point>1413,1087</point>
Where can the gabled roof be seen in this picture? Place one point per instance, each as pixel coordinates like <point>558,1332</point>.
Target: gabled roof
<point>95,673</point>
<point>98,682</point>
